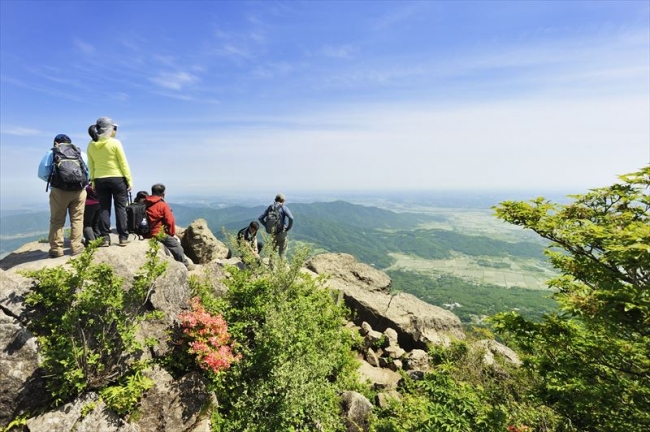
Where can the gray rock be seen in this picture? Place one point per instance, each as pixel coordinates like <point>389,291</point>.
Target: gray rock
<point>394,352</point>
<point>372,358</point>
<point>416,360</point>
<point>365,328</point>
<point>492,348</point>
<point>379,378</point>
<point>200,245</point>
<point>356,409</point>
<point>417,323</point>
<point>172,405</point>
<point>13,289</point>
<point>22,386</point>
<point>391,335</point>
<point>385,399</point>
<point>343,267</point>
<point>72,418</point>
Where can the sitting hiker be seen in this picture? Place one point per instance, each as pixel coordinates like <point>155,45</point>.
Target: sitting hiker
<point>247,238</point>
<point>140,196</point>
<point>161,218</point>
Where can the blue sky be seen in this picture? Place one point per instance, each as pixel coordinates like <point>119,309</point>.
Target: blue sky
<point>227,98</point>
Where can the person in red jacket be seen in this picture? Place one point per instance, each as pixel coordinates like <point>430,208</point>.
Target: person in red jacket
<point>160,217</point>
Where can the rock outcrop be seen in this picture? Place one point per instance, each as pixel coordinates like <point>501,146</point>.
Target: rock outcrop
<point>366,291</point>
<point>200,245</point>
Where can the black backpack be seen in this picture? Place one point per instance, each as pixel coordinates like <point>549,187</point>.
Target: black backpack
<point>137,221</point>
<point>273,222</point>
<point>69,171</point>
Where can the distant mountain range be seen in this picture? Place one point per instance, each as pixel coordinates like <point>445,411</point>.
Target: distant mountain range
<point>368,233</point>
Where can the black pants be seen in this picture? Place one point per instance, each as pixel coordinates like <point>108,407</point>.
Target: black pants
<point>91,222</point>
<point>112,190</point>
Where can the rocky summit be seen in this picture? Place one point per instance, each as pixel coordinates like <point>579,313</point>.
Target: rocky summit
<point>395,330</point>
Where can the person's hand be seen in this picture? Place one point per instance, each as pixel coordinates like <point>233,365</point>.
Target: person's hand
<point>128,188</point>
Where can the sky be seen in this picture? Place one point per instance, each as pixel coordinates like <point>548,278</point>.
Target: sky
<point>246,98</point>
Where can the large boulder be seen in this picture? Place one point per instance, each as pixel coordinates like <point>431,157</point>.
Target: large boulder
<point>172,405</point>
<point>23,388</point>
<point>366,291</point>
<point>344,270</point>
<point>85,414</point>
<point>13,289</point>
<point>356,409</point>
<point>200,245</point>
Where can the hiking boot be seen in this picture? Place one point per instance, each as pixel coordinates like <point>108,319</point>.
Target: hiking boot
<point>124,242</point>
<point>55,254</point>
<point>105,243</point>
<point>75,252</point>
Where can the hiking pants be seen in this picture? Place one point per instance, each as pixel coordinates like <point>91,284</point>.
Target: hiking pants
<point>174,247</point>
<point>62,203</point>
<point>112,189</point>
<point>279,243</point>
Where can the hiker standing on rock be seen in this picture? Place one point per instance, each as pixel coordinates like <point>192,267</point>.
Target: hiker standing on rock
<point>64,168</point>
<point>278,220</point>
<point>111,178</point>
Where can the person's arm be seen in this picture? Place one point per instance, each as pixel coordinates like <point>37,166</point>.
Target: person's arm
<point>169,221</point>
<point>45,167</point>
<point>288,215</point>
<point>123,163</point>
<point>262,218</point>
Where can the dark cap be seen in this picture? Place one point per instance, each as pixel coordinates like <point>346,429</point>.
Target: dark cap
<point>62,138</point>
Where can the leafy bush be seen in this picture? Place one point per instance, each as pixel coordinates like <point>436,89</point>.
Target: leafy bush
<point>295,353</point>
<point>461,393</point>
<point>124,397</point>
<point>593,357</point>
<point>85,321</point>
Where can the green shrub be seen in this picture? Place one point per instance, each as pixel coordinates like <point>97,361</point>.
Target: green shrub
<point>296,354</point>
<point>86,321</point>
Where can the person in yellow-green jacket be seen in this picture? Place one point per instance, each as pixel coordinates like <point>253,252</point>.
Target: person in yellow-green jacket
<point>110,176</point>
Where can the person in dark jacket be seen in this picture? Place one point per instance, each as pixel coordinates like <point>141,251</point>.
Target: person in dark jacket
<point>247,238</point>
<point>161,218</point>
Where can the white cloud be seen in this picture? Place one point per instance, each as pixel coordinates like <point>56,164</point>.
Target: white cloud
<point>84,47</point>
<point>174,80</point>
<point>20,131</point>
<point>342,51</point>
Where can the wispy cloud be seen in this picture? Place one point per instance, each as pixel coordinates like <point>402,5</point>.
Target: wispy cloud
<point>20,131</point>
<point>342,51</point>
<point>174,80</point>
<point>84,47</point>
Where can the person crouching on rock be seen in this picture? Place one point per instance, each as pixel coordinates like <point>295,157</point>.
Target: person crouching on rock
<point>160,217</point>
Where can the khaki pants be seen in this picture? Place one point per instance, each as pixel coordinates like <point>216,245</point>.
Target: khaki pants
<point>61,203</point>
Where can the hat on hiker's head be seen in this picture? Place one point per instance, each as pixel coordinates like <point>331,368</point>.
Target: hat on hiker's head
<point>279,198</point>
<point>105,125</point>
<point>62,138</point>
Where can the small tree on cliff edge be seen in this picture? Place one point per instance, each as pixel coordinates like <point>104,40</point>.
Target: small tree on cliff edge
<point>593,358</point>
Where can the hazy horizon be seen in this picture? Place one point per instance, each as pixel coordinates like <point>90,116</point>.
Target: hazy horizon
<point>442,198</point>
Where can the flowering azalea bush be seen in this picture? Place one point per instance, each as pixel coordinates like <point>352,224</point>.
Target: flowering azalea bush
<point>209,338</point>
